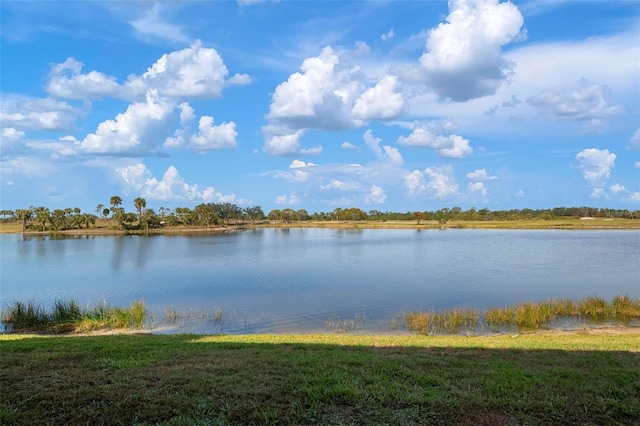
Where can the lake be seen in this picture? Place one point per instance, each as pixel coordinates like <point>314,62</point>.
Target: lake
<point>310,279</point>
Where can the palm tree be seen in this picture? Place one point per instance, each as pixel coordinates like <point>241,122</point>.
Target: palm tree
<point>23,215</point>
<point>140,203</point>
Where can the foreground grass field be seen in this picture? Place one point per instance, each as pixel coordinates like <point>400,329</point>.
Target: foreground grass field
<point>552,378</point>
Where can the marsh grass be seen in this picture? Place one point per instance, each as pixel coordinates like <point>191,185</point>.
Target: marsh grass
<point>338,325</point>
<point>526,315</point>
<point>450,321</point>
<point>67,316</point>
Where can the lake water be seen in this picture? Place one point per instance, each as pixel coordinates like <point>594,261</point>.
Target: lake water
<point>293,280</point>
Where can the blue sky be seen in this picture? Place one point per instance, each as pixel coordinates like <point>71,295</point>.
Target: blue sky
<point>385,105</point>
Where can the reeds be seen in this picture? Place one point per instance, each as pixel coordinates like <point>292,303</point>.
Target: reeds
<point>526,315</point>
<point>67,316</point>
<point>441,322</point>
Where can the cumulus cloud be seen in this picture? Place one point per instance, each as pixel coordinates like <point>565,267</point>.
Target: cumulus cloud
<point>452,146</point>
<point>478,187</point>
<point>212,137</point>
<point>634,142</point>
<point>617,189</point>
<point>463,57</point>
<point>9,134</point>
<point>26,113</point>
<point>438,182</point>
<point>587,102</point>
<point>136,131</point>
<point>596,164</point>
<point>193,72</point>
<point>67,81</point>
<point>480,175</point>
<point>172,187</point>
<point>376,195</point>
<point>381,102</point>
<point>288,144</point>
<point>328,93</point>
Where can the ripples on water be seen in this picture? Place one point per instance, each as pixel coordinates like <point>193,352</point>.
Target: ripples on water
<point>281,280</point>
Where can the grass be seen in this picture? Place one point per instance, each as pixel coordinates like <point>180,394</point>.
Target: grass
<point>535,379</point>
<point>525,315</point>
<point>67,316</point>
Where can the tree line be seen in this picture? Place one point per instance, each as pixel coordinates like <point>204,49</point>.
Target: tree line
<point>216,214</point>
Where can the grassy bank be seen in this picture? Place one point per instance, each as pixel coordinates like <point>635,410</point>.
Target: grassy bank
<point>107,228</point>
<point>321,379</point>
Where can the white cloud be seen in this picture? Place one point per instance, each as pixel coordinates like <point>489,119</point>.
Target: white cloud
<point>25,113</point>
<point>136,131</point>
<point>296,164</point>
<point>617,188</point>
<point>67,81</point>
<point>9,134</point>
<point>153,25</point>
<point>439,182</point>
<point>348,145</point>
<point>380,102</point>
<point>587,102</point>
<point>340,186</point>
<point>288,144</point>
<point>597,193</point>
<point>452,146</point>
<point>634,142</point>
<point>212,137</point>
<point>172,187</point>
<point>320,96</point>
<point>376,195</point>
<point>635,197</point>
<point>463,57</point>
<point>636,165</point>
<point>386,153</point>
<point>287,199</point>
<point>520,193</point>
<point>388,35</point>
<point>596,164</point>
<point>480,175</point>
<point>478,187</point>
<point>193,72</point>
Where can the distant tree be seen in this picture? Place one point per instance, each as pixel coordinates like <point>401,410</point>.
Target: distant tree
<point>5,213</point>
<point>115,201</point>
<point>418,216</point>
<point>118,215</point>
<point>58,220</point>
<point>274,214</point>
<point>23,216</point>
<point>42,217</point>
<point>105,213</point>
<point>287,215</point>
<point>226,211</point>
<point>149,219</point>
<point>140,203</point>
<point>99,208</point>
<point>254,213</point>
<point>302,215</point>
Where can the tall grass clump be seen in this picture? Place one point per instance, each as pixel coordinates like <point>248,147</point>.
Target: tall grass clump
<point>24,316</point>
<point>594,308</point>
<point>625,308</point>
<point>67,316</point>
<point>450,321</point>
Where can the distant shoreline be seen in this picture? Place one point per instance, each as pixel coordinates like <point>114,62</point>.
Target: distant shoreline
<point>106,228</point>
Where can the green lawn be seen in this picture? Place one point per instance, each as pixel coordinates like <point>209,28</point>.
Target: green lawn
<point>540,378</point>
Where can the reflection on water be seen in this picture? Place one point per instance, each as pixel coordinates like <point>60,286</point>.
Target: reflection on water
<point>304,279</point>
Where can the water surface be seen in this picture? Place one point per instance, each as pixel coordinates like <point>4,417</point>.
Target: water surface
<point>280,280</point>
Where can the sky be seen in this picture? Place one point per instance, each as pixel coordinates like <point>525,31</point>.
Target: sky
<point>381,105</point>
